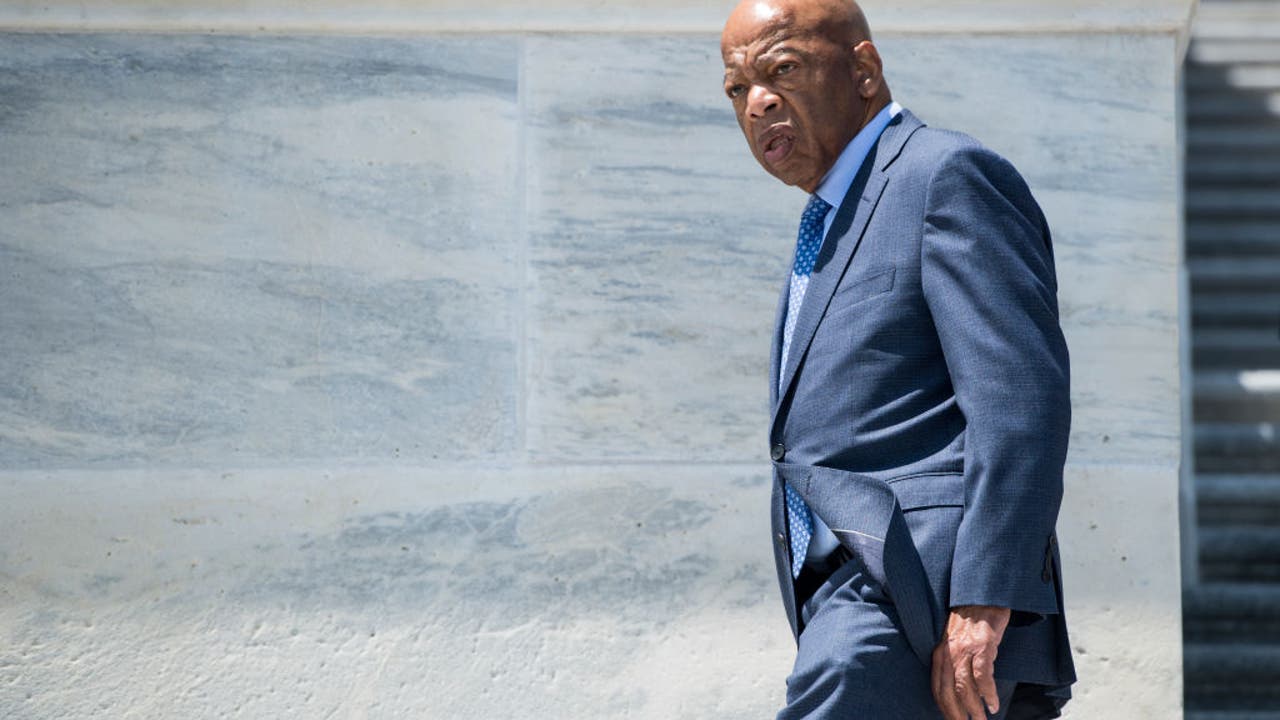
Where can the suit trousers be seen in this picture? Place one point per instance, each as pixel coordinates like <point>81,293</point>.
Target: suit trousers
<point>854,663</point>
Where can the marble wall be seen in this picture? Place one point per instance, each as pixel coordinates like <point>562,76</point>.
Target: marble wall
<point>423,375</point>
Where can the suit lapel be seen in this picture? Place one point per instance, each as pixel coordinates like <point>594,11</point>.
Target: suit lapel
<point>775,355</point>
<point>837,251</point>
<point>832,261</point>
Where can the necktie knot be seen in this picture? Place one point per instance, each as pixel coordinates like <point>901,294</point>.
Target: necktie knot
<point>809,239</point>
<point>816,209</point>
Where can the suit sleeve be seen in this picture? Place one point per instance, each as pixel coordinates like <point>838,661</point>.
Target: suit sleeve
<point>988,279</point>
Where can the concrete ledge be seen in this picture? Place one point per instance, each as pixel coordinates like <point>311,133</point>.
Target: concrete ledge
<point>462,591</point>
<point>435,16</point>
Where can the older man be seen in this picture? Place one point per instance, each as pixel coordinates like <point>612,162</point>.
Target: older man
<point>920,391</point>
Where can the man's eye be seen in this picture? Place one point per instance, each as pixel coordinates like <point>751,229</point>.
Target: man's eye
<point>784,68</point>
<point>736,91</point>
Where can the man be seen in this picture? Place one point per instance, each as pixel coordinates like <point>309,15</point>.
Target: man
<point>920,391</point>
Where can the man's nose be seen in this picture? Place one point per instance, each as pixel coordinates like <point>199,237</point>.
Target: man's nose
<point>761,101</point>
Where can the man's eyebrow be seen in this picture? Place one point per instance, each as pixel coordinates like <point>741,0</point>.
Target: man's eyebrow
<point>775,44</point>
<point>779,49</point>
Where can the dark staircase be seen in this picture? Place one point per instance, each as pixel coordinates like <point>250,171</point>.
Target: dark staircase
<point>1231,624</point>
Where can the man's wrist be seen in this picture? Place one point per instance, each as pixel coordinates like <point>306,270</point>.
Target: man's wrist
<point>997,617</point>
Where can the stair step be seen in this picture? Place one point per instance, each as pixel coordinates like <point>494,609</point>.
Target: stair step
<point>1240,553</point>
<point>1235,348</point>
<point>1240,76</point>
<point>1235,273</point>
<point>1235,202</point>
<point>1225,245</point>
<point>1245,499</point>
<point>1208,51</point>
<point>1242,108</point>
<point>1251,10</point>
<point>1237,231</point>
<point>1232,715</point>
<point>1241,612</point>
<point>1254,139</point>
<point>1253,489</point>
<point>1260,543</point>
<point>1233,169</point>
<point>1239,386</point>
<point>1237,447</point>
<point>1261,29</point>
<point>1236,396</point>
<point>1227,309</point>
<point>1229,236</point>
<point>1231,676</point>
<point>1238,437</point>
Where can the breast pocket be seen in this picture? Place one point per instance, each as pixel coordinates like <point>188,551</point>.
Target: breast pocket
<point>867,284</point>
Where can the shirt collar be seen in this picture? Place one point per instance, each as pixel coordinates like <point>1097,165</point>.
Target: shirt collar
<point>838,179</point>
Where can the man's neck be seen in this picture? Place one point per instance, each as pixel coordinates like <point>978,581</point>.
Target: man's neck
<point>839,177</point>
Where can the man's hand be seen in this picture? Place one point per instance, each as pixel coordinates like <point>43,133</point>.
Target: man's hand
<point>964,661</point>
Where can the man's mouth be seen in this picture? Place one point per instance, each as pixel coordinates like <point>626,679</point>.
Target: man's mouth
<point>777,146</point>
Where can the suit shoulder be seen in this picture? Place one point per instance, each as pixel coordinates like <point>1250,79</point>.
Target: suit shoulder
<point>935,147</point>
<point>942,139</point>
<point>956,159</point>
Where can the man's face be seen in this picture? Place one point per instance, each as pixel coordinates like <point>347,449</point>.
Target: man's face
<point>793,89</point>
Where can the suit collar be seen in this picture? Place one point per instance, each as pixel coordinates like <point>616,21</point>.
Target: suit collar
<point>840,177</point>
<point>895,137</point>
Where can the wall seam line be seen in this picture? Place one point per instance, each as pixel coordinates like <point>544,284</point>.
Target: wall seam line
<point>523,294</point>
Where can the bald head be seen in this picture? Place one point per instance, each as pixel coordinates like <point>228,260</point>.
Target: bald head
<point>804,78</point>
<point>841,21</point>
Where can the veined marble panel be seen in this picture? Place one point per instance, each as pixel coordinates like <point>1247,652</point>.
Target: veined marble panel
<point>464,591</point>
<point>452,593</point>
<point>221,251</point>
<point>658,247</point>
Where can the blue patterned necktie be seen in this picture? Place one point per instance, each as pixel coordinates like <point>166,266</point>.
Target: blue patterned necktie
<point>808,243</point>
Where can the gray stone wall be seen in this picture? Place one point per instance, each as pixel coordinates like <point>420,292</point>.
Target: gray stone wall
<point>424,376</point>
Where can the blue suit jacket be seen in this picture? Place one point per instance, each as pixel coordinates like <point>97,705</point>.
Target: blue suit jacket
<point>924,409</point>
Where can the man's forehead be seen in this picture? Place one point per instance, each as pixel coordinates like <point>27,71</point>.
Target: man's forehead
<point>753,20</point>
<point>738,50</point>
<point>757,25</point>
<point>764,49</point>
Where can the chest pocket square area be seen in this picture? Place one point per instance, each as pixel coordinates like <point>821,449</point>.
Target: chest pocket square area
<point>867,284</point>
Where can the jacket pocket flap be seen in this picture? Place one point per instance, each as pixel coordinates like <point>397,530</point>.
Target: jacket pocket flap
<point>865,286</point>
<point>929,490</point>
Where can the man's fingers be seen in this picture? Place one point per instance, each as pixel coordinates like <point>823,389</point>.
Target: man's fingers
<point>950,706</point>
<point>965,689</point>
<point>985,680</point>
<point>935,669</point>
<point>943,689</point>
<point>963,676</point>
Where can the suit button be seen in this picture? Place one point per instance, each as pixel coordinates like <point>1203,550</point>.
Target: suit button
<point>782,539</point>
<point>777,452</point>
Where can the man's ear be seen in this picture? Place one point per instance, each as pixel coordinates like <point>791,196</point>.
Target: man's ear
<point>868,69</point>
